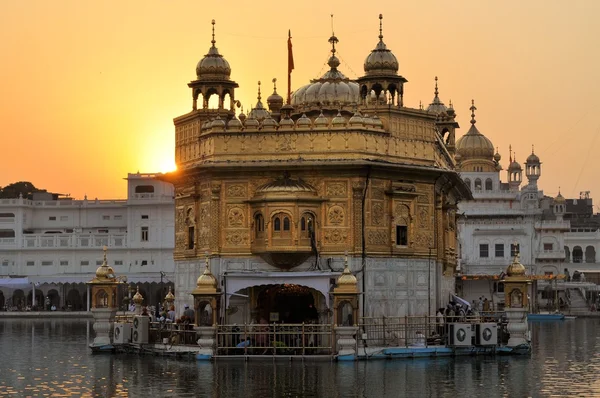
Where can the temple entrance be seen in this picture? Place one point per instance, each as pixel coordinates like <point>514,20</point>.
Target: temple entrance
<point>286,303</point>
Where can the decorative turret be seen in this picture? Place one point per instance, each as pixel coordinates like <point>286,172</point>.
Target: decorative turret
<point>259,112</point>
<point>205,297</point>
<point>381,74</point>
<point>169,298</point>
<point>533,168</point>
<point>516,302</point>
<point>515,172</point>
<point>212,78</point>
<point>474,151</point>
<point>560,206</point>
<point>445,120</point>
<point>275,101</point>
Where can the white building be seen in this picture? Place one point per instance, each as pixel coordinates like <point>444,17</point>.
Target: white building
<point>503,219</point>
<point>54,245</point>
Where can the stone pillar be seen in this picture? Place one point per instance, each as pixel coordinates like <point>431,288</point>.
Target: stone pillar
<point>206,342</point>
<point>346,342</point>
<point>103,325</point>
<point>517,326</point>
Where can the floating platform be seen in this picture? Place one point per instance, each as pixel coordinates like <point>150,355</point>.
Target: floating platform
<point>546,317</point>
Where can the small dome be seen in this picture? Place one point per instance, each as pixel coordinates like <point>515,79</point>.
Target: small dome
<point>368,121</point>
<point>286,122</point>
<point>269,124</point>
<point>533,158</point>
<point>356,120</point>
<point>381,61</point>
<point>338,120</point>
<point>346,278</point>
<point>137,297</point>
<point>516,268</point>
<point>377,122</point>
<point>251,122</point>
<point>170,297</point>
<point>332,89</point>
<point>286,184</point>
<point>474,145</point>
<point>105,273</point>
<point>213,66</point>
<point>234,124</point>
<point>259,112</point>
<point>321,121</point>
<point>206,125</point>
<point>207,279</point>
<point>497,156</point>
<point>304,122</point>
<point>437,107</point>
<point>514,166</point>
<point>218,123</point>
<point>275,101</point>
<point>560,200</point>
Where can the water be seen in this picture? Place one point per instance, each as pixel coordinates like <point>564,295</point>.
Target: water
<point>51,358</point>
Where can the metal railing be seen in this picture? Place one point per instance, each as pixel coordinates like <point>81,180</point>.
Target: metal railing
<point>172,333</point>
<point>275,339</point>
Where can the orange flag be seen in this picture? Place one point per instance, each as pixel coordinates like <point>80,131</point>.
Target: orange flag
<point>290,55</point>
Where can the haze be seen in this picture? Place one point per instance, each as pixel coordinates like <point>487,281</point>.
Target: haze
<point>89,89</point>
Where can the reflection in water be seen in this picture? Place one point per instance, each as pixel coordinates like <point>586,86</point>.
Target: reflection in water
<point>46,357</point>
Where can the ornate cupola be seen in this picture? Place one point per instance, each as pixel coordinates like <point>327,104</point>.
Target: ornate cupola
<point>445,119</point>
<point>275,101</point>
<point>331,91</point>
<point>474,151</point>
<point>515,172</point>
<point>381,74</point>
<point>213,78</point>
<point>533,168</point>
<point>259,112</point>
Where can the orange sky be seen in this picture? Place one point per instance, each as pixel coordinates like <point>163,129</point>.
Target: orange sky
<point>90,88</point>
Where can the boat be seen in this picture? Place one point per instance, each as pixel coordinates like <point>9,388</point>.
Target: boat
<point>555,316</point>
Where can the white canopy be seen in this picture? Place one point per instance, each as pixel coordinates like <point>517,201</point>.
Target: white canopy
<point>318,280</point>
<point>15,283</point>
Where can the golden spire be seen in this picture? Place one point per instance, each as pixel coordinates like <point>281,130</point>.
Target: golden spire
<point>259,97</point>
<point>472,109</point>
<point>380,27</point>
<point>213,41</point>
<point>274,85</point>
<point>333,40</point>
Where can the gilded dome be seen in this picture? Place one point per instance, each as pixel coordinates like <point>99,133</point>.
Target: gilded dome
<point>533,158</point>
<point>332,89</point>
<point>338,120</point>
<point>286,122</point>
<point>304,122</point>
<point>104,273</point>
<point>474,144</point>
<point>213,66</point>
<point>516,268</point>
<point>286,185</point>
<point>560,200</point>
<point>269,123</point>
<point>137,297</point>
<point>346,278</point>
<point>207,279</point>
<point>381,61</point>
<point>275,101</point>
<point>234,124</point>
<point>321,121</point>
<point>437,107</point>
<point>259,112</point>
<point>170,297</point>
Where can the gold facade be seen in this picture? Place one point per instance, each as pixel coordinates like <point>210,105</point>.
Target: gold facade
<point>363,175</point>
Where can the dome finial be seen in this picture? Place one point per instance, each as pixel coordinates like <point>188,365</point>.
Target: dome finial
<point>259,97</point>
<point>333,39</point>
<point>104,261</point>
<point>380,27</point>
<point>213,41</point>
<point>532,151</point>
<point>274,85</point>
<point>450,105</point>
<point>436,92</point>
<point>473,109</point>
<point>510,153</point>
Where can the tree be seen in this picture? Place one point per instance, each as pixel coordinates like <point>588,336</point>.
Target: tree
<point>14,190</point>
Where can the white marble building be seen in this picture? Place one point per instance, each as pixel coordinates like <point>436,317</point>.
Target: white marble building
<point>504,218</point>
<point>54,245</point>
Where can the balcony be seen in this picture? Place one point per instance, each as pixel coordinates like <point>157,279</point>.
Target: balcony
<point>7,242</point>
<point>553,225</point>
<point>550,255</point>
<point>73,241</point>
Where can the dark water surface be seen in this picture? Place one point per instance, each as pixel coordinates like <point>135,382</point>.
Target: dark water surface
<point>51,358</point>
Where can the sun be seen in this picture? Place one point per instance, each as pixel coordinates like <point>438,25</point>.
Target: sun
<point>166,165</point>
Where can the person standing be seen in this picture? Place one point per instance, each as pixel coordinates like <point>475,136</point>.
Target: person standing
<point>189,313</point>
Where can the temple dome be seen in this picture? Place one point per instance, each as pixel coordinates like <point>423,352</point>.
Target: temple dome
<point>213,66</point>
<point>474,145</point>
<point>516,268</point>
<point>560,199</point>
<point>381,61</point>
<point>333,88</point>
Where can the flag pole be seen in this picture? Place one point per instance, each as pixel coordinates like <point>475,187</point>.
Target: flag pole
<point>290,66</point>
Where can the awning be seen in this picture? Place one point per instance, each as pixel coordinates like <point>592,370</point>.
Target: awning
<point>456,299</point>
<point>15,283</point>
<point>320,281</point>
<point>55,279</point>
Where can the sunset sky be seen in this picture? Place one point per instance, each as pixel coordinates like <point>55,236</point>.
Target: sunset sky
<point>90,88</point>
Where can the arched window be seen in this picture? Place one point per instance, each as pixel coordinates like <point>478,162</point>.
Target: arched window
<point>468,182</point>
<point>277,224</point>
<point>567,254</point>
<point>306,225</point>
<point>286,224</point>
<point>577,254</point>
<point>259,224</point>
<point>488,184</point>
<point>478,184</point>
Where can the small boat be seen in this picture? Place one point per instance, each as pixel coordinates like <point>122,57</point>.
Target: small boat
<point>557,316</point>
